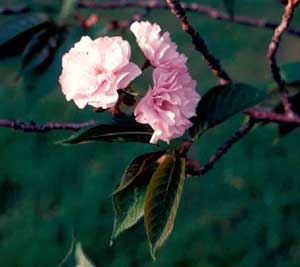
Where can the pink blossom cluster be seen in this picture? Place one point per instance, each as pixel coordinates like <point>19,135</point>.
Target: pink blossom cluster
<point>94,71</point>
<point>167,106</point>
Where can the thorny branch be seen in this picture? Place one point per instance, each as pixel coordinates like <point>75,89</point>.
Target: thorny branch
<point>191,7</point>
<point>273,48</point>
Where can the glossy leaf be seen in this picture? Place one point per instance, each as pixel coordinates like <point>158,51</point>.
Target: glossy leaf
<point>162,200</point>
<point>224,101</point>
<point>291,73</point>
<point>112,133</point>
<point>128,198</point>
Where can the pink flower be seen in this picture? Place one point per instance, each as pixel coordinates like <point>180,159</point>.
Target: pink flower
<point>157,48</point>
<point>93,71</point>
<point>168,106</point>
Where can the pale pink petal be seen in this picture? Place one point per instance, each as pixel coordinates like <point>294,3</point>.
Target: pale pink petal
<point>158,48</point>
<point>168,106</point>
<point>93,71</point>
<point>127,74</point>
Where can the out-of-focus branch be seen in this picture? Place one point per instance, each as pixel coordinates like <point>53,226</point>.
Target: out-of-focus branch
<point>86,23</point>
<point>198,42</point>
<point>273,49</point>
<point>14,10</point>
<point>42,128</point>
<point>192,7</point>
<point>124,25</point>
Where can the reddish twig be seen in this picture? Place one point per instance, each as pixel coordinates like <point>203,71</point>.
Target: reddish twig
<point>268,116</point>
<point>14,10</point>
<point>198,42</point>
<point>273,49</point>
<point>86,23</point>
<point>192,7</point>
<point>256,115</point>
<point>238,135</point>
<point>42,128</point>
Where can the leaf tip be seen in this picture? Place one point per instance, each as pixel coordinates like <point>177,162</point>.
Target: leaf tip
<point>152,252</point>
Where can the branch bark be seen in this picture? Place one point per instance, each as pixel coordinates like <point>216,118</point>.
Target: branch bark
<point>273,49</point>
<point>221,151</point>
<point>192,7</point>
<point>267,116</point>
<point>43,128</point>
<point>198,42</point>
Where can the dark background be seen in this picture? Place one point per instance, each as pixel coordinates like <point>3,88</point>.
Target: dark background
<point>245,212</point>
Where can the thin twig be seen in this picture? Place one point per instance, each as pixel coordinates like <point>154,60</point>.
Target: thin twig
<point>192,7</point>
<point>124,25</point>
<point>269,116</point>
<point>14,10</point>
<point>256,115</point>
<point>238,135</point>
<point>273,49</point>
<point>198,42</point>
<point>42,128</point>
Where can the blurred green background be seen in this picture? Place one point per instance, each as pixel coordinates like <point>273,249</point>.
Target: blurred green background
<point>245,212</point>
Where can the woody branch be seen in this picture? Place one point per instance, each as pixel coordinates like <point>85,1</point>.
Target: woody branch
<point>191,7</point>
<point>273,49</point>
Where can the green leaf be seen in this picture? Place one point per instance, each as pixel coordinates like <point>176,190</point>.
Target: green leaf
<point>222,102</point>
<point>15,33</point>
<point>80,258</point>
<point>38,83</point>
<point>162,200</point>
<point>40,50</point>
<point>128,199</point>
<point>112,133</point>
<point>76,257</point>
<point>33,49</point>
<point>291,73</point>
<point>229,5</point>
